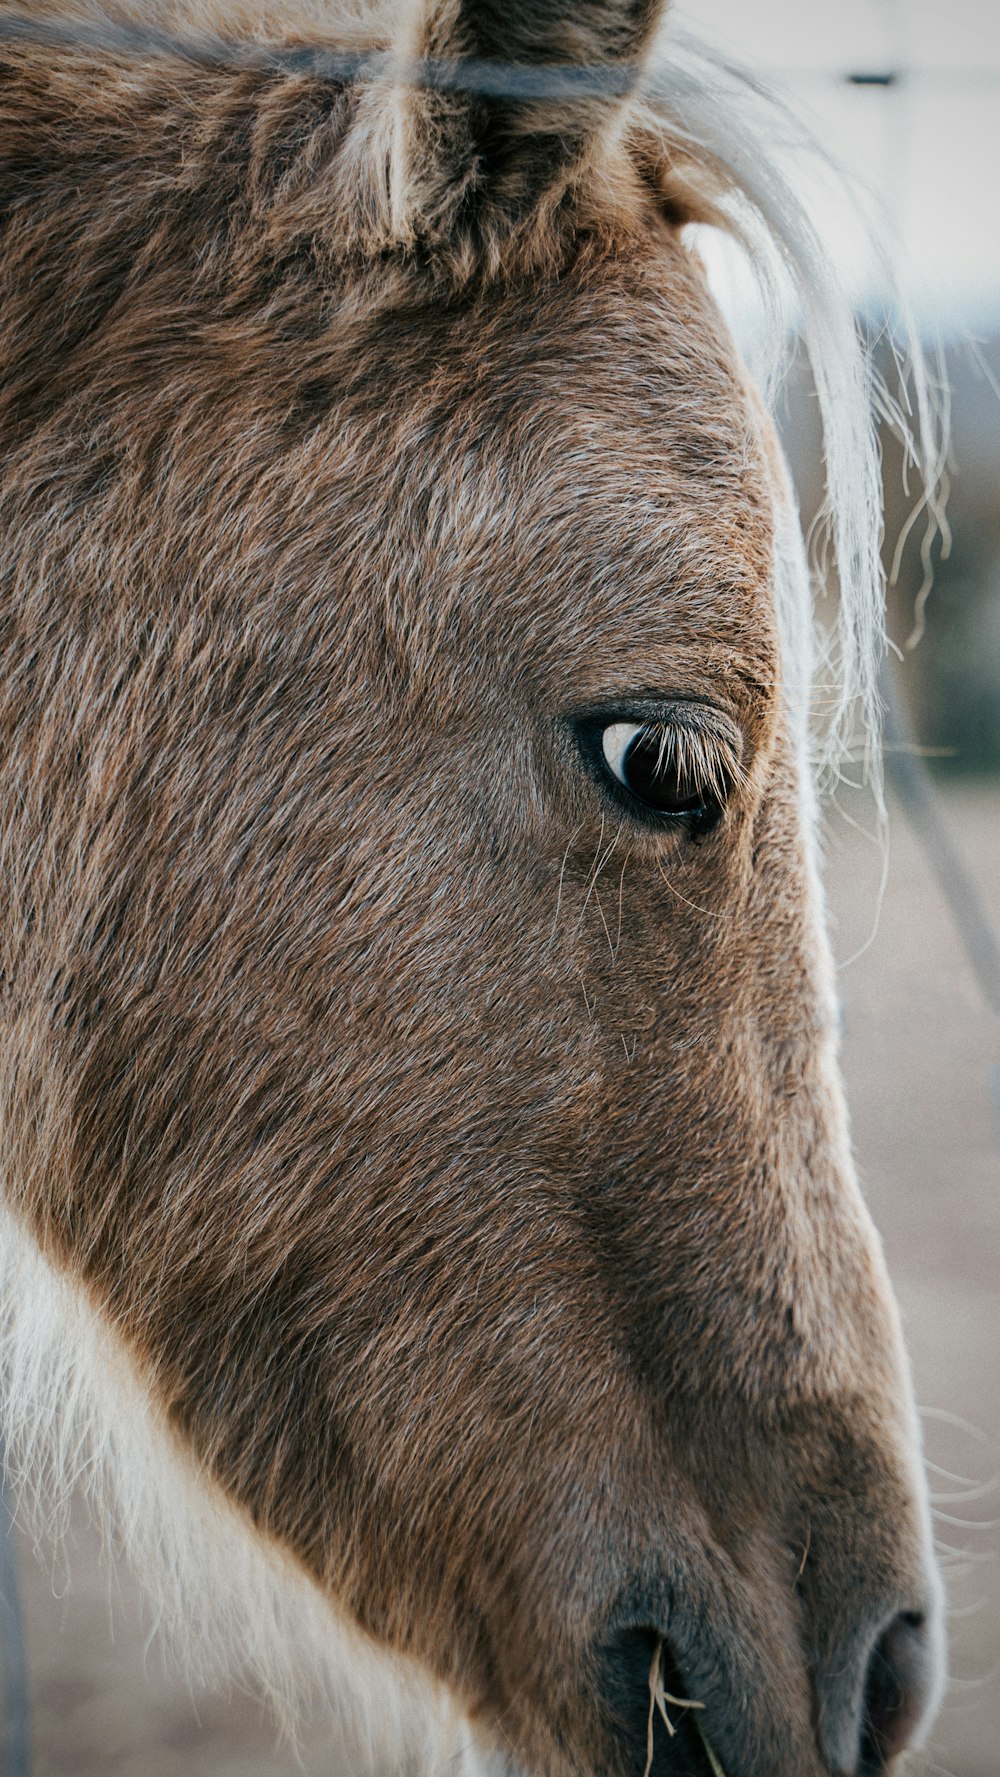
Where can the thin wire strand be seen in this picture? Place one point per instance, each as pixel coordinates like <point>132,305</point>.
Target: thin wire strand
<point>481,76</point>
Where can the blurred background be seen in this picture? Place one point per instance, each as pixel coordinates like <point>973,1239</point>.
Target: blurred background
<point>907,93</point>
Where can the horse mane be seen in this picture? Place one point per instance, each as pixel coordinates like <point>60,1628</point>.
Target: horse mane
<point>732,139</point>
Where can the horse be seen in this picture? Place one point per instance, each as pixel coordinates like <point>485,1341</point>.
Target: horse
<point>430,1224</point>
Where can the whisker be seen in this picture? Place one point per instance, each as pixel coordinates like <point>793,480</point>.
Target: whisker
<point>970,1686</point>
<point>944,1417</point>
<point>599,862</point>
<point>708,912</point>
<point>965,1495</point>
<point>607,929</point>
<point>968,1557</point>
<point>621,894</point>
<point>949,1475</point>
<point>559,891</point>
<point>965,1523</point>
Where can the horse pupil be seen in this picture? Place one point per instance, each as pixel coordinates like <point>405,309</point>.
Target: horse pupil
<point>652,775</point>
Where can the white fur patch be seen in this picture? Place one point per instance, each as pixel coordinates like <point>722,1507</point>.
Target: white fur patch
<point>231,1604</point>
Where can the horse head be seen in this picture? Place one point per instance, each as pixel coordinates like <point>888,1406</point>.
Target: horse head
<point>420,1052</point>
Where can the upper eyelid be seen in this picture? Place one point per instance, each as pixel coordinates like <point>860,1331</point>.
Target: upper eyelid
<point>696,720</point>
<point>664,711</point>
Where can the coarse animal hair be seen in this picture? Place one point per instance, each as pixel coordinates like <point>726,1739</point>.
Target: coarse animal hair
<point>730,154</point>
<point>339,1260</point>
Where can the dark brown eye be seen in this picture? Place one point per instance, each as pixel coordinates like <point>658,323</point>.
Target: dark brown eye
<point>655,765</point>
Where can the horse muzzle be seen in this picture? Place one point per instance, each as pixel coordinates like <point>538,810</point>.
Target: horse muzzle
<point>866,1707</point>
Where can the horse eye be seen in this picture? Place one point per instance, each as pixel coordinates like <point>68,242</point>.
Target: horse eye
<point>649,761</point>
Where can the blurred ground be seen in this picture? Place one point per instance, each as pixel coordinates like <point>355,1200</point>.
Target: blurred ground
<point>922,1064</point>
<point>922,1058</point>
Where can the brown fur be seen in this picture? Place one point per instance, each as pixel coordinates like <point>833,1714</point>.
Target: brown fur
<point>465,1163</point>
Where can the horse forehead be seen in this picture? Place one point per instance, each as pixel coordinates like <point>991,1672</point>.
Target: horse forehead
<point>592,441</point>
<point>621,368</point>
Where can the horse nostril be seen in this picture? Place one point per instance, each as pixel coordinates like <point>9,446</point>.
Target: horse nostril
<point>630,1664</point>
<point>873,1700</point>
<point>896,1687</point>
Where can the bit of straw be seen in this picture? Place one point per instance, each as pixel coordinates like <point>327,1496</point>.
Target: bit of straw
<point>710,1752</point>
<point>659,1697</point>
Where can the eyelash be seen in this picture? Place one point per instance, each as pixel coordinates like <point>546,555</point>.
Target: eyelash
<point>667,771</point>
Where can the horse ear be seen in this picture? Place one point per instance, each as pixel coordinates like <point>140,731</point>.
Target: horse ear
<point>499,104</point>
<point>587,34</point>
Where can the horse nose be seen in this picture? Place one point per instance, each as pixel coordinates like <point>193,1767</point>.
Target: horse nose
<point>869,1705</point>
<point>871,1708</point>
